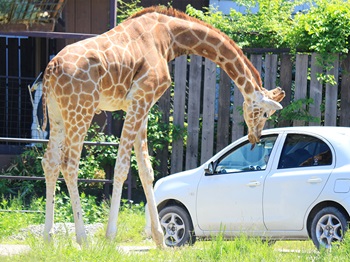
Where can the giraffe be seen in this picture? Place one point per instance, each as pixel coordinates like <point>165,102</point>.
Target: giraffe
<point>127,68</point>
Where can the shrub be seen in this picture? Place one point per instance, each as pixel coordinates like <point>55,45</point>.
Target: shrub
<point>266,28</point>
<point>26,164</point>
<point>323,29</point>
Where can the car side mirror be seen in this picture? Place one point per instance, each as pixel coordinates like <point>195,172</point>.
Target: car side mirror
<point>210,169</point>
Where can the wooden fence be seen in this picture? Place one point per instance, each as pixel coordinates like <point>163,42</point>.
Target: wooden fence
<point>205,102</point>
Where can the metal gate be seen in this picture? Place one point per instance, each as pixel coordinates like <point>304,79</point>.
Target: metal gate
<point>15,104</point>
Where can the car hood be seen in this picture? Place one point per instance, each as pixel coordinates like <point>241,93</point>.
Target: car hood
<point>180,179</point>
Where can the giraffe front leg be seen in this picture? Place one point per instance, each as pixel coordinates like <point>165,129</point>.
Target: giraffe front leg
<point>120,175</point>
<point>147,177</point>
<point>122,166</point>
<point>121,170</point>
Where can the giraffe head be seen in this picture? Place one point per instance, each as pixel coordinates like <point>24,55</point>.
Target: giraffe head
<point>256,111</point>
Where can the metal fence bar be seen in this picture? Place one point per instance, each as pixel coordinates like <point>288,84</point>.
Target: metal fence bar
<point>81,180</point>
<point>44,141</point>
<point>21,211</point>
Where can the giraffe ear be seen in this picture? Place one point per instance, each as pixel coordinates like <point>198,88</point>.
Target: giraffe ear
<point>271,104</point>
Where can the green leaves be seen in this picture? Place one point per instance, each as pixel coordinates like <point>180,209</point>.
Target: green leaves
<point>266,28</point>
<point>297,110</point>
<point>323,28</point>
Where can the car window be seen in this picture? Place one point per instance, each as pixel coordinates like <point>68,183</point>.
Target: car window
<point>247,158</point>
<point>304,150</point>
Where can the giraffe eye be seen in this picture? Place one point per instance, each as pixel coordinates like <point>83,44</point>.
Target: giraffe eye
<point>266,115</point>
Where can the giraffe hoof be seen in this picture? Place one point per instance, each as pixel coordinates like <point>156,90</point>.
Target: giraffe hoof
<point>161,246</point>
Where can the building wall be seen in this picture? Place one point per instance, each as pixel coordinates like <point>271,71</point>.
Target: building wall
<point>86,16</point>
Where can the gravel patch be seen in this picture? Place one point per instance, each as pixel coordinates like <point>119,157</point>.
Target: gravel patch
<point>59,229</point>
<point>8,250</point>
<point>37,231</point>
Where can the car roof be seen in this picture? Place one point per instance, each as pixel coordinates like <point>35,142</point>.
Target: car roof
<point>325,131</point>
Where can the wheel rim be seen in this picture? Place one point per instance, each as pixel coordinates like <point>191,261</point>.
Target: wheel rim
<point>173,227</point>
<point>329,230</point>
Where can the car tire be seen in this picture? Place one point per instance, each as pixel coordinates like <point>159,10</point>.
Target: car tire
<point>327,227</point>
<point>177,226</point>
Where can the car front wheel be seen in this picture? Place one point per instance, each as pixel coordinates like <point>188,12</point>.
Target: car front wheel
<point>177,226</point>
<point>328,226</point>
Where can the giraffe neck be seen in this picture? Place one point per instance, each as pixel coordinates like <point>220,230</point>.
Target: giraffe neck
<point>176,34</point>
<point>211,44</point>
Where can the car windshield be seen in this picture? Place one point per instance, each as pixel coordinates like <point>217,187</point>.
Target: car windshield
<point>247,158</point>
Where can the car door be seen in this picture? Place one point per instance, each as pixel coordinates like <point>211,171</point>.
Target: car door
<point>296,180</point>
<point>231,198</point>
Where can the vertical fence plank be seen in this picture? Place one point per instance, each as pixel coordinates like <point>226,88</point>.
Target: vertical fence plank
<point>315,90</point>
<point>286,76</point>
<point>194,95</point>
<point>344,119</point>
<point>270,71</point>
<point>256,60</point>
<point>301,67</point>
<point>208,110</point>
<point>331,99</point>
<point>237,117</point>
<point>163,153</point>
<point>223,132</point>
<point>179,112</point>
<point>270,77</point>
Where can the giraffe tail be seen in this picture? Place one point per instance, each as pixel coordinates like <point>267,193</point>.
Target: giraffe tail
<point>46,89</point>
<point>50,76</point>
<point>44,104</point>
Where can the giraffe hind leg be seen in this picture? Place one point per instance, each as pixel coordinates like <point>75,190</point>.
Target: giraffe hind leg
<point>63,154</point>
<point>69,169</point>
<point>51,165</point>
<point>73,145</point>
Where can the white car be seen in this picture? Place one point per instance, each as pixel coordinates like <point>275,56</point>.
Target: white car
<point>294,184</point>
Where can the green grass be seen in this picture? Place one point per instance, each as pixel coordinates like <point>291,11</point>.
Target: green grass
<point>12,222</point>
<point>131,233</point>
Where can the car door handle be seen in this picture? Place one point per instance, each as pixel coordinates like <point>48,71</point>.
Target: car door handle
<point>253,183</point>
<point>314,180</point>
